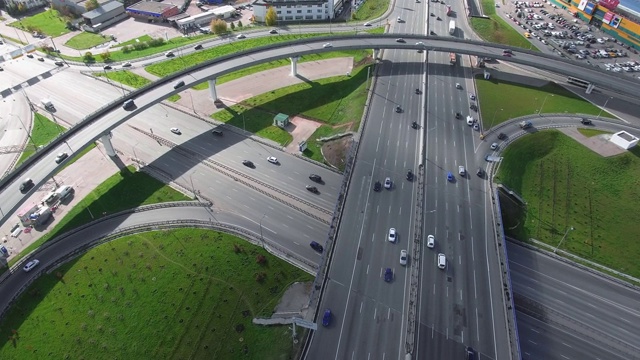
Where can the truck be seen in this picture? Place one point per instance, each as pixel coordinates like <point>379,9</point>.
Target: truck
<point>47,104</point>
<point>452,58</point>
<point>452,27</point>
<point>525,124</point>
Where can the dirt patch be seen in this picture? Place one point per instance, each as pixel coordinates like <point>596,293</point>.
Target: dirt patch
<point>335,151</point>
<point>301,129</point>
<point>599,144</point>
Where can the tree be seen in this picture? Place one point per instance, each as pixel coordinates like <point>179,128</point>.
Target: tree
<point>239,23</point>
<point>91,5</point>
<point>218,26</point>
<point>271,18</point>
<point>232,26</point>
<point>106,56</point>
<point>88,57</point>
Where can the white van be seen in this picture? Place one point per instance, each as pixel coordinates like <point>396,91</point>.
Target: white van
<point>128,104</point>
<point>442,261</point>
<point>64,191</point>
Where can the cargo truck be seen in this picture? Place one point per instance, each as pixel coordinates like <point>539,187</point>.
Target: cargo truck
<point>452,27</point>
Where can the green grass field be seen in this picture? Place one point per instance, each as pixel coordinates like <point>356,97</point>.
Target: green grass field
<point>125,77</point>
<point>124,190</point>
<point>142,38</point>
<point>49,22</point>
<point>178,63</point>
<point>342,101</point>
<point>176,294</point>
<point>371,9</point>
<point>567,185</point>
<point>502,100</point>
<point>43,131</point>
<point>496,30</point>
<point>86,40</point>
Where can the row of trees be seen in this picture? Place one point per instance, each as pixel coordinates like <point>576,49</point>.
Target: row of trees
<point>219,26</point>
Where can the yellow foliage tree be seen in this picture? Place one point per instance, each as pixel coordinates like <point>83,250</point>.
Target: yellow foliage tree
<point>271,18</point>
<point>218,26</point>
<point>91,5</point>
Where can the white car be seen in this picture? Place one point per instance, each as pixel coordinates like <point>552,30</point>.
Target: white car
<point>367,24</point>
<point>470,120</point>
<point>403,257</point>
<point>494,146</point>
<point>30,265</point>
<point>461,170</point>
<point>387,183</point>
<point>241,36</point>
<point>400,19</point>
<point>472,96</point>
<point>442,261</point>
<point>327,45</point>
<point>458,86</point>
<point>392,235</point>
<point>476,127</point>
<point>272,159</point>
<point>431,241</point>
<point>176,131</point>
<point>419,43</point>
<point>127,64</point>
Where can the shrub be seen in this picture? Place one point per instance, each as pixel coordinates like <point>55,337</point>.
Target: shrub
<point>261,276</point>
<point>261,259</point>
<point>88,56</point>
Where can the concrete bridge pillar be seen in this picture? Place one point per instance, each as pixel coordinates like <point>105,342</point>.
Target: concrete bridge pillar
<point>108,147</point>
<point>212,89</point>
<point>376,53</point>
<point>590,88</point>
<point>294,65</point>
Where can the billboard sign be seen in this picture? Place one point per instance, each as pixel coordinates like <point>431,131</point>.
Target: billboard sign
<point>615,22</point>
<point>609,4</point>
<point>606,19</point>
<point>582,5</point>
<point>589,8</point>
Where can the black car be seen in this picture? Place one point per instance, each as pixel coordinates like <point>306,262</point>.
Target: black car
<point>107,67</point>
<point>26,185</point>
<point>313,189</point>
<point>216,132</point>
<point>315,178</point>
<point>248,163</point>
<point>198,47</point>
<point>178,85</point>
<point>30,56</point>
<point>59,63</point>
<point>432,32</point>
<point>418,92</point>
<point>502,136</point>
<point>315,246</point>
<point>586,121</point>
<point>480,172</point>
<point>458,115</point>
<point>409,175</point>
<point>414,125</point>
<point>471,354</point>
<point>473,107</point>
<point>273,31</point>
<point>398,109</point>
<point>377,186</point>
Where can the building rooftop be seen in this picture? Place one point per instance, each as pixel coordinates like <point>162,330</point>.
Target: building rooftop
<point>105,8</point>
<point>150,6</point>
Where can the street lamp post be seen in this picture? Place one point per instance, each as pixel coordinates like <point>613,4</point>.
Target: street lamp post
<point>561,240</point>
<point>494,118</point>
<point>193,188</point>
<point>603,107</point>
<point>543,101</point>
<point>261,237</point>
<point>35,147</point>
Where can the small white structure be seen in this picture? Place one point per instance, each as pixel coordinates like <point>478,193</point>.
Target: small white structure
<point>624,140</point>
<point>205,18</point>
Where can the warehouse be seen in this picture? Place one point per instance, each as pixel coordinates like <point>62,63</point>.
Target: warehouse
<point>223,12</point>
<point>152,11</point>
<point>104,16</point>
<point>315,10</point>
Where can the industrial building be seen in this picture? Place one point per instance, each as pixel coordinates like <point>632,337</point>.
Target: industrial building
<point>618,22</point>
<point>152,11</point>
<point>204,19</point>
<point>103,17</point>
<point>316,10</point>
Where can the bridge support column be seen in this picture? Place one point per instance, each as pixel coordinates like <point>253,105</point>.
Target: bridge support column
<point>590,88</point>
<point>294,65</point>
<point>108,147</point>
<point>376,53</point>
<point>212,89</point>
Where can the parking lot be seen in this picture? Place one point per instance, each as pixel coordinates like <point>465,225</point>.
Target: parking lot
<point>557,30</point>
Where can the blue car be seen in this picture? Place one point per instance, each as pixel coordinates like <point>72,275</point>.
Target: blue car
<point>326,319</point>
<point>388,275</point>
<point>450,176</point>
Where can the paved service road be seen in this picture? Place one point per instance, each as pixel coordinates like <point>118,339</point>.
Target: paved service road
<point>578,307</point>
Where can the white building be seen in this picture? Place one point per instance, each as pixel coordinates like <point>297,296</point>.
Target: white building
<point>205,18</point>
<point>295,11</point>
<point>624,140</point>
